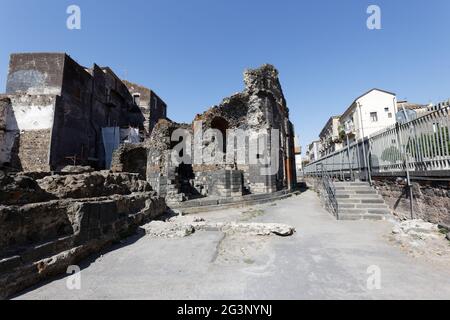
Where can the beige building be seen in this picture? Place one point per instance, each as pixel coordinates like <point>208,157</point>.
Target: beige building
<point>313,151</point>
<point>330,137</point>
<point>372,112</point>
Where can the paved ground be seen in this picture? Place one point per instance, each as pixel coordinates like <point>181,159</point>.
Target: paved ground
<point>326,259</point>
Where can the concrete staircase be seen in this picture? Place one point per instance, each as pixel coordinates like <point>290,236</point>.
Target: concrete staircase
<point>359,201</point>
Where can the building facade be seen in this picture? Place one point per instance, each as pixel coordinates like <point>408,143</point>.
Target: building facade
<point>330,137</point>
<point>313,151</point>
<point>372,112</point>
<point>152,106</point>
<point>57,113</point>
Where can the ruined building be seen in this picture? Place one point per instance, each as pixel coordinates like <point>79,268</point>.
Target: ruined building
<point>259,108</point>
<point>61,124</point>
<point>152,107</point>
<point>57,113</point>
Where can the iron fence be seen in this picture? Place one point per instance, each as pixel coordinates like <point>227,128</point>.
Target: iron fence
<point>421,146</point>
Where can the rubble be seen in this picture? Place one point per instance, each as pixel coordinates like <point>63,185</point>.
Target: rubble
<point>184,226</point>
<point>77,169</point>
<point>422,239</point>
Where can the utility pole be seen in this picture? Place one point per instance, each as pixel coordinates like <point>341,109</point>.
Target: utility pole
<point>348,153</point>
<point>408,175</point>
<point>362,137</point>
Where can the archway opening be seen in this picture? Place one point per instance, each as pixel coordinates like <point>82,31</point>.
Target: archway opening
<point>222,125</point>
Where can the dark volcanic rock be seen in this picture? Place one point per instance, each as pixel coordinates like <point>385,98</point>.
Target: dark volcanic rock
<point>91,185</point>
<point>20,189</point>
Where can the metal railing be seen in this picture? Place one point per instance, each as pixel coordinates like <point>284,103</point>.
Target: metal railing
<point>421,146</point>
<point>329,193</point>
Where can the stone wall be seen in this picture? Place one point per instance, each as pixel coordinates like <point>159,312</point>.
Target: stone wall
<point>52,92</point>
<point>153,107</point>
<point>431,199</point>
<point>27,138</point>
<point>31,151</point>
<point>69,218</point>
<point>258,109</point>
<point>130,158</point>
<point>6,139</point>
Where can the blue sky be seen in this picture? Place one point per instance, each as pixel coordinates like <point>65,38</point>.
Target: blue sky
<point>193,52</point>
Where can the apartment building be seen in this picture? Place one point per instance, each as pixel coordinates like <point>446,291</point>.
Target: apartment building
<point>371,112</point>
<point>313,151</point>
<point>330,138</point>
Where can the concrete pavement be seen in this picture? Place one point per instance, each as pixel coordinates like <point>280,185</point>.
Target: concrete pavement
<point>325,259</point>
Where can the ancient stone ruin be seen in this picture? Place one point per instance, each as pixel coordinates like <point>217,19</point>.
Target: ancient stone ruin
<point>86,158</point>
<point>260,107</point>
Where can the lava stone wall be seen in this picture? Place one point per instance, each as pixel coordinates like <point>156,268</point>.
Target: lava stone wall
<point>431,199</point>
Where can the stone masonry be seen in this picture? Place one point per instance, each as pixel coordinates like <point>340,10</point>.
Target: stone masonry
<point>431,199</point>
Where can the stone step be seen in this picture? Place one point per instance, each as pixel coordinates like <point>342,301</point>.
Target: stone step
<point>355,192</point>
<point>354,188</point>
<point>361,201</point>
<point>358,217</point>
<point>352,211</point>
<point>358,196</point>
<point>363,206</point>
<point>351,184</point>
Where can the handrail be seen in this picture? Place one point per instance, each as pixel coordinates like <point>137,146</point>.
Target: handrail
<point>419,146</point>
<point>330,190</point>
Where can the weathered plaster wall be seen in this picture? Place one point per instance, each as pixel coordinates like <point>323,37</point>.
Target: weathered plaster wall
<point>31,112</point>
<point>35,73</point>
<point>27,138</point>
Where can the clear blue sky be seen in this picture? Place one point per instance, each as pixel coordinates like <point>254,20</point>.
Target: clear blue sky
<point>193,52</point>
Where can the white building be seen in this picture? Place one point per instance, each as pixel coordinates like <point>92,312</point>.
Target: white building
<point>372,112</point>
<point>298,154</point>
<point>330,137</point>
<point>313,151</point>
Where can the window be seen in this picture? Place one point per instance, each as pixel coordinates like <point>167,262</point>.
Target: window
<point>374,117</point>
<point>386,109</point>
<point>136,98</point>
<point>390,115</point>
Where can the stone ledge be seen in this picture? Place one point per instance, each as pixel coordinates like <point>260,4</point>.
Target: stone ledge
<point>220,204</point>
<point>95,224</point>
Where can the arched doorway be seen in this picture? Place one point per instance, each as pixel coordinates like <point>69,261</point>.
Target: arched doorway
<point>222,125</point>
